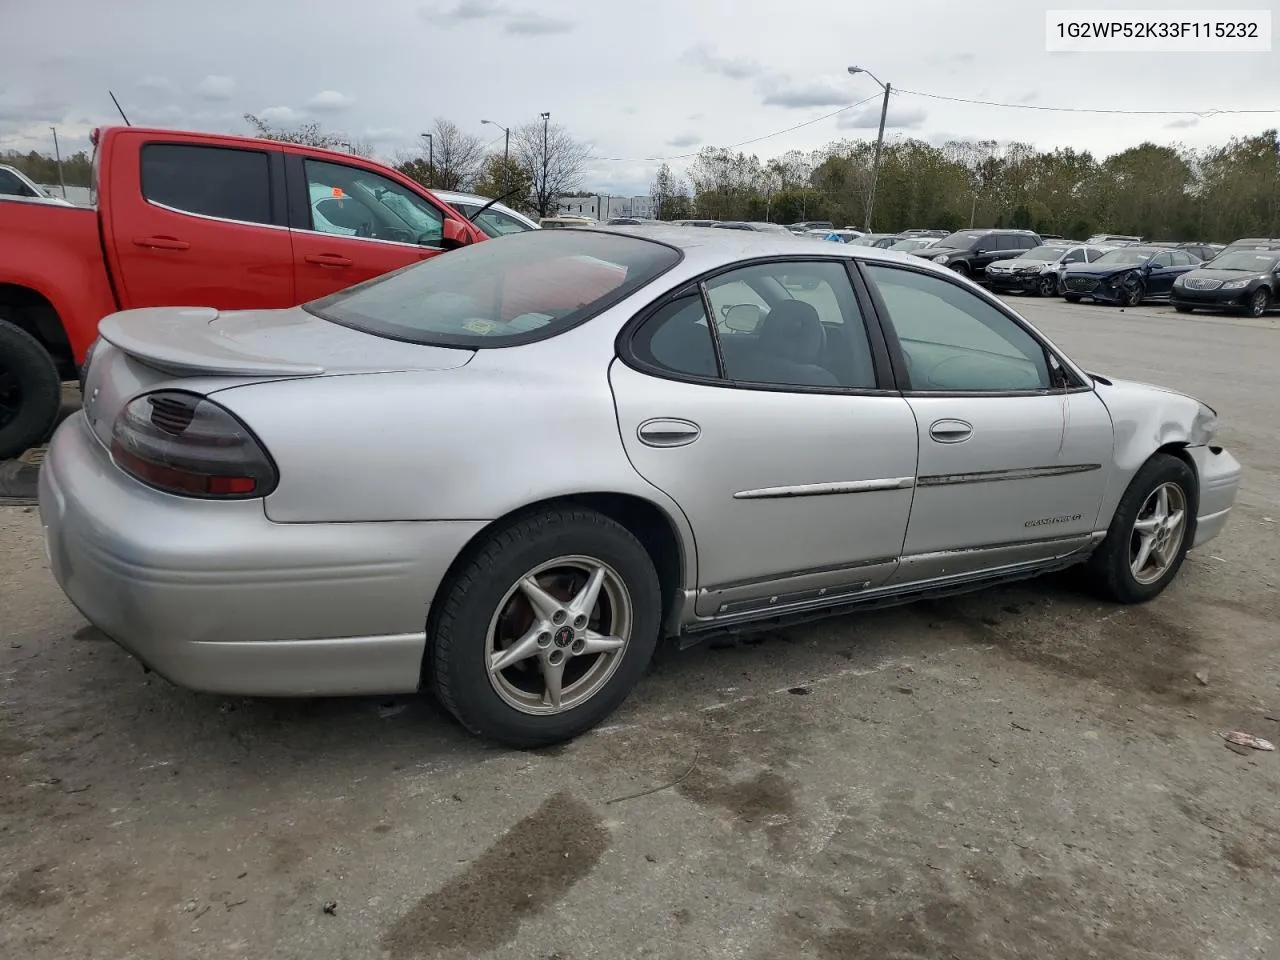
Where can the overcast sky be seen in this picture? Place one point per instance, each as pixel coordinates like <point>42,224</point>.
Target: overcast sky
<point>637,80</point>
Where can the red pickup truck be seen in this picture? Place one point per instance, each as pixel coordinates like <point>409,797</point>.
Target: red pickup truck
<point>193,219</point>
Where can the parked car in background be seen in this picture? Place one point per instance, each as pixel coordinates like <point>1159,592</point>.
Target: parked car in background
<point>968,252</point>
<point>16,185</point>
<point>695,223</point>
<point>839,236</point>
<point>1039,270</point>
<point>497,220</point>
<point>1247,281</point>
<point>916,232</point>
<point>1127,275</point>
<point>233,222</point>
<point>1205,251</point>
<point>1112,239</point>
<point>271,503</point>
<point>912,244</point>
<point>880,241</point>
<point>1252,243</point>
<point>629,221</point>
<point>807,226</point>
<point>757,226</point>
<point>559,223</point>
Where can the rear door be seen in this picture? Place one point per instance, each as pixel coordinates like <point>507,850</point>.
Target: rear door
<point>195,223</point>
<point>1160,274</point>
<point>350,224</point>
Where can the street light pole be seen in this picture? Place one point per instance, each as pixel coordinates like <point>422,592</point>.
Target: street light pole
<point>875,163</point>
<point>431,159</point>
<point>57,157</point>
<point>506,147</point>
<point>546,195</point>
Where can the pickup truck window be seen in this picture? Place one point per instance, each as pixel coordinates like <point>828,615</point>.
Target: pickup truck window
<point>351,202</point>
<point>222,182</point>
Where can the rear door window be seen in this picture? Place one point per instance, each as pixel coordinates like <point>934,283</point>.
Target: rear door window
<point>224,182</point>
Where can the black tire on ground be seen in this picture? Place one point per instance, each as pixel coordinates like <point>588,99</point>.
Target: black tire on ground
<point>1109,568</point>
<point>468,602</point>
<point>1183,308</point>
<point>1047,286</point>
<point>1132,296</point>
<point>1071,297</point>
<point>30,391</point>
<point>1259,303</point>
<point>962,269</point>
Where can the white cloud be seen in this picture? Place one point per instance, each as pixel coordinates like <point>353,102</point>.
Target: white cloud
<point>330,101</point>
<point>216,87</point>
<point>281,115</point>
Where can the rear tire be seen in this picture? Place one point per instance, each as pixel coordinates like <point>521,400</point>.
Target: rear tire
<point>1111,569</point>
<point>484,611</point>
<point>30,391</point>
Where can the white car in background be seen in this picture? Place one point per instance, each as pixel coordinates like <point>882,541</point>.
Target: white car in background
<point>497,220</point>
<point>15,185</point>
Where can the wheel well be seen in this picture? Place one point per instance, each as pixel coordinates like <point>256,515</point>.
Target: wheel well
<point>1178,448</point>
<point>647,522</point>
<point>30,311</point>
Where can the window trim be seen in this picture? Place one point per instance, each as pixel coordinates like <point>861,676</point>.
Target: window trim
<point>299,217</point>
<point>1083,383</point>
<point>276,192</point>
<point>881,364</point>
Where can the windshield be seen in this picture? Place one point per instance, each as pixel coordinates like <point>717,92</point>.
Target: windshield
<point>1044,253</point>
<point>962,239</point>
<point>494,222</point>
<point>1124,257</point>
<point>908,245</point>
<point>1244,260</point>
<point>495,294</point>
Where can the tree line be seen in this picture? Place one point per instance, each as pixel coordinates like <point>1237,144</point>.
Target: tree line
<point>77,168</point>
<point>1169,192</point>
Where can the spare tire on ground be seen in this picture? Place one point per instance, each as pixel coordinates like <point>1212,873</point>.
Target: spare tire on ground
<point>30,391</point>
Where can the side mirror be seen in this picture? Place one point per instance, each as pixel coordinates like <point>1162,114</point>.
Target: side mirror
<point>742,318</point>
<point>455,235</point>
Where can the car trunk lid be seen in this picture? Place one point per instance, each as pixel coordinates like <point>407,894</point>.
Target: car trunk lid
<point>202,350</point>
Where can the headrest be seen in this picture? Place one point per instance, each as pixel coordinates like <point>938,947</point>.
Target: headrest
<point>793,331</point>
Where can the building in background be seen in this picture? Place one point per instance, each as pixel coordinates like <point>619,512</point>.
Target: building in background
<point>604,206</point>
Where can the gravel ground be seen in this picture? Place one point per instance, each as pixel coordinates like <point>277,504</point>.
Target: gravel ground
<point>1021,773</point>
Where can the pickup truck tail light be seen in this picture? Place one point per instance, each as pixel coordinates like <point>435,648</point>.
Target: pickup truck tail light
<point>188,445</point>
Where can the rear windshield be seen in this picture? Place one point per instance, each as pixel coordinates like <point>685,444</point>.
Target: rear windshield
<point>530,286</point>
<point>962,240</point>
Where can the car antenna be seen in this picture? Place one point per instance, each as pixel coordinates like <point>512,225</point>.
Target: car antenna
<point>118,107</point>
<point>509,193</point>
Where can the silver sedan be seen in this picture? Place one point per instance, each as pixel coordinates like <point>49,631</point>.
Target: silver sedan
<point>506,474</point>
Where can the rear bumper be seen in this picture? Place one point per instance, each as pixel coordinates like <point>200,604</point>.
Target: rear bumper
<point>1219,475</point>
<point>216,597</point>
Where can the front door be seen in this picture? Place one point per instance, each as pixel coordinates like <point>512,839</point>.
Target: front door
<point>351,224</point>
<point>1005,475</point>
<point>775,432</point>
<point>198,225</point>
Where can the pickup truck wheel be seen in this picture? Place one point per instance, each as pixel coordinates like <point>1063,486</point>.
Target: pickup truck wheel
<point>30,391</point>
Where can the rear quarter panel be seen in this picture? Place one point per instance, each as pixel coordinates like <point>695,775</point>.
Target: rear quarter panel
<point>56,251</point>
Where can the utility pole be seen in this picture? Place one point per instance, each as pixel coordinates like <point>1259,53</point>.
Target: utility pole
<point>875,163</point>
<point>57,156</point>
<point>545,193</point>
<point>431,159</point>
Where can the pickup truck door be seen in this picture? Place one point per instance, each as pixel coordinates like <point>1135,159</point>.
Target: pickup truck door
<point>350,224</point>
<point>195,224</point>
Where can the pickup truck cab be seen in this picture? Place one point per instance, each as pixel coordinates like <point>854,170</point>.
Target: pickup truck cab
<point>194,219</point>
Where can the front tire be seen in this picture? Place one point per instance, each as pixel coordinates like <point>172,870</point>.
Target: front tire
<point>1150,533</point>
<point>1183,308</point>
<point>1071,297</point>
<point>1133,294</point>
<point>1048,286</point>
<point>962,269</point>
<point>30,391</point>
<point>1259,303</point>
<point>546,629</point>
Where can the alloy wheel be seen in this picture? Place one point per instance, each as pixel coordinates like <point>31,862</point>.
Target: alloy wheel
<point>1158,533</point>
<point>1258,303</point>
<point>559,633</point>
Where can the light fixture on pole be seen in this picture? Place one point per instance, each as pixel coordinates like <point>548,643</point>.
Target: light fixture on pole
<point>506,147</point>
<point>875,163</point>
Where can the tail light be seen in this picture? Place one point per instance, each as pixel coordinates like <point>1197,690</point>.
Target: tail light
<point>186,444</point>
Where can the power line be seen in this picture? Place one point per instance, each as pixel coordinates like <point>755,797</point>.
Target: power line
<point>1119,112</point>
<point>742,143</point>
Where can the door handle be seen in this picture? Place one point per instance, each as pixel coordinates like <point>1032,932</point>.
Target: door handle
<point>668,432</point>
<point>162,243</point>
<point>951,431</point>
<point>328,259</point>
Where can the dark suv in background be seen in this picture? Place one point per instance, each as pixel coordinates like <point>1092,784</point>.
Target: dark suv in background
<point>968,252</point>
